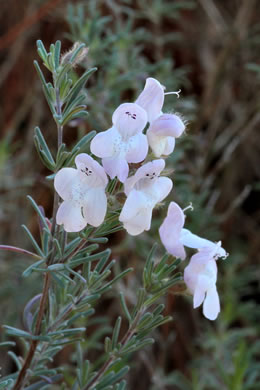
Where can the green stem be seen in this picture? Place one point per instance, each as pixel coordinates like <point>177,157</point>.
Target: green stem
<point>131,331</point>
<point>27,363</point>
<point>22,375</point>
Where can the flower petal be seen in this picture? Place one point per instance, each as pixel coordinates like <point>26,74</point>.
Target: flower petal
<point>135,201</point>
<point>139,223</point>
<point>129,119</point>
<point>95,206</point>
<point>193,241</point>
<point>170,231</point>
<point>64,181</point>
<point>199,295</point>
<point>169,146</point>
<point>160,145</point>
<point>135,214</point>
<point>105,143</point>
<point>146,171</point>
<point>151,98</point>
<point>138,148</point>
<point>69,215</point>
<point>116,166</point>
<point>211,306</point>
<point>167,125</point>
<point>164,186</point>
<point>91,171</point>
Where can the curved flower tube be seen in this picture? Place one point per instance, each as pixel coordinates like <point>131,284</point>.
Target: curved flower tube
<point>162,133</point>
<point>200,277</point>
<point>124,142</point>
<point>144,190</point>
<point>151,99</point>
<point>174,237</point>
<point>83,194</point>
<point>170,231</point>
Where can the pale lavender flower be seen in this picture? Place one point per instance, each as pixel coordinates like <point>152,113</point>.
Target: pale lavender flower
<point>174,237</point>
<point>144,190</point>
<point>124,142</point>
<point>162,133</point>
<point>200,277</point>
<point>83,194</point>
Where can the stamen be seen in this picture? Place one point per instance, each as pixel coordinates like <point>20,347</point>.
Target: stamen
<point>189,207</point>
<point>174,93</point>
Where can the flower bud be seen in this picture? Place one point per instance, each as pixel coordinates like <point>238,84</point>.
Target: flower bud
<point>71,57</point>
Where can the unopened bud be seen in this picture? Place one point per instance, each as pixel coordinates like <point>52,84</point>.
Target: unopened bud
<point>75,55</point>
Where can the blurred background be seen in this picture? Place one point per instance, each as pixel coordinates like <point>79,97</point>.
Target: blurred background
<point>210,50</point>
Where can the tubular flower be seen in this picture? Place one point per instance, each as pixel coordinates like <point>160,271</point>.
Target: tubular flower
<point>151,99</point>
<point>174,237</point>
<point>200,277</point>
<point>124,142</point>
<point>144,190</point>
<point>83,194</point>
<point>170,231</point>
<point>162,133</point>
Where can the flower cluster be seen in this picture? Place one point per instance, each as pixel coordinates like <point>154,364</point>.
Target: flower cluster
<point>84,198</point>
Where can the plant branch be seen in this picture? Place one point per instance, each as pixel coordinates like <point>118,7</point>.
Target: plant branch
<point>60,135</point>
<point>22,375</point>
<point>131,331</point>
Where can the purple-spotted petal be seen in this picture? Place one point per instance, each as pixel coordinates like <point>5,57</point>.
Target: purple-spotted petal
<point>91,171</point>
<point>69,215</point>
<point>151,99</point>
<point>146,171</point>
<point>129,119</point>
<point>116,166</point>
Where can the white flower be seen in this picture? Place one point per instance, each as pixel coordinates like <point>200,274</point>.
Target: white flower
<point>200,277</point>
<point>162,133</point>
<point>174,237</point>
<point>144,190</point>
<point>83,194</point>
<point>124,142</point>
<point>164,128</point>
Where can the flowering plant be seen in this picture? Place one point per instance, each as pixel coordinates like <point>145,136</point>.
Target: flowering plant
<point>87,207</point>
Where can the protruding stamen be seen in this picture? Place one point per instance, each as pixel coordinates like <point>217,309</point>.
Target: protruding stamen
<point>188,207</point>
<point>174,93</point>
